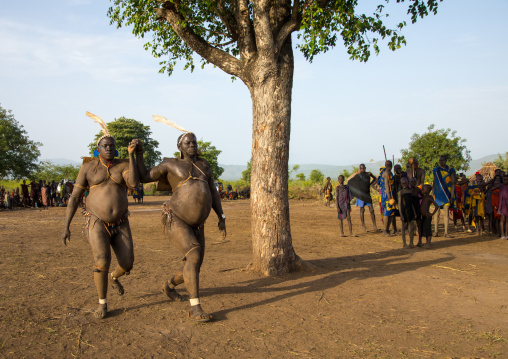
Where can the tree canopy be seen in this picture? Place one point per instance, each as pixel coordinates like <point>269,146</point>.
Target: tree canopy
<point>316,176</point>
<point>502,161</point>
<point>52,172</point>
<point>124,130</point>
<point>429,146</point>
<point>223,31</point>
<point>246,173</point>
<point>19,153</point>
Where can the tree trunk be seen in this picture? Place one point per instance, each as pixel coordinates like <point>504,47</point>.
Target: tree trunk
<point>271,90</point>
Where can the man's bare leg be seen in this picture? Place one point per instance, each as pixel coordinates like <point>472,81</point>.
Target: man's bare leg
<point>362,219</point>
<point>404,227</point>
<point>436,223</point>
<point>341,227</point>
<point>169,287</point>
<point>387,222</point>
<point>428,245</point>
<point>124,252</point>
<point>446,219</point>
<point>348,216</point>
<point>373,217</point>
<point>100,243</point>
<point>411,233</point>
<point>191,243</point>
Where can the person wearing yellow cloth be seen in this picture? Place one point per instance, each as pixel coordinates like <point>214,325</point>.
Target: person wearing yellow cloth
<point>444,192</point>
<point>477,200</point>
<point>388,203</point>
<point>328,191</point>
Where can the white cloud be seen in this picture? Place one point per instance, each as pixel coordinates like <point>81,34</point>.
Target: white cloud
<point>29,51</point>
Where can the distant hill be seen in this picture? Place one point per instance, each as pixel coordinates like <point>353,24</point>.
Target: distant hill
<point>234,172</point>
<point>475,165</point>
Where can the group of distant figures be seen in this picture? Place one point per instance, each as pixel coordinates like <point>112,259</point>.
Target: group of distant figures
<point>230,193</point>
<point>407,196</point>
<point>40,194</point>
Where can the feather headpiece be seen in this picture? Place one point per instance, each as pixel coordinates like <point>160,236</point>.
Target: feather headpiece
<point>101,123</point>
<point>171,124</point>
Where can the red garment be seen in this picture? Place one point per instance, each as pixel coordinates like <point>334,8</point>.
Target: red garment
<point>458,212</point>
<point>495,203</point>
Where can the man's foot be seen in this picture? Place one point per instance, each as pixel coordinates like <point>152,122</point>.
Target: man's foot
<point>448,235</point>
<point>385,233</point>
<point>196,314</point>
<point>343,235</point>
<point>420,244</point>
<point>405,246</point>
<point>469,230</point>
<point>436,234</point>
<point>364,229</point>
<point>428,246</point>
<point>172,293</point>
<point>116,285</point>
<point>101,311</point>
<point>411,246</point>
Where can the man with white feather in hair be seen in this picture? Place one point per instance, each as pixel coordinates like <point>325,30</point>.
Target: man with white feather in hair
<point>184,215</point>
<point>107,223</point>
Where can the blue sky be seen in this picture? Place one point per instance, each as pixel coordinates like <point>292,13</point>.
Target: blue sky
<point>59,59</point>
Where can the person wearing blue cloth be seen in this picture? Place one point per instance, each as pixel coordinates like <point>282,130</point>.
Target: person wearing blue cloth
<point>444,192</point>
<point>360,188</point>
<point>388,203</point>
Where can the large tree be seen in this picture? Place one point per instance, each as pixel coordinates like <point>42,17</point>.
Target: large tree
<point>18,154</point>
<point>251,40</point>
<point>124,130</point>
<point>429,146</point>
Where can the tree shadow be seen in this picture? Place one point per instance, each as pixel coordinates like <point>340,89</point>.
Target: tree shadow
<point>332,272</point>
<point>336,271</point>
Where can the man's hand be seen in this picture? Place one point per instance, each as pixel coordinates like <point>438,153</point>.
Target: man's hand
<point>66,236</point>
<point>222,227</point>
<point>132,147</point>
<point>139,145</point>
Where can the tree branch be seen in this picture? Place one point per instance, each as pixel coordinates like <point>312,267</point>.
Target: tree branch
<point>219,11</point>
<point>288,28</point>
<point>246,39</point>
<point>262,29</point>
<point>221,59</point>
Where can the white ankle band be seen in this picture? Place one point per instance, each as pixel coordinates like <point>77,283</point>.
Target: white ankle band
<point>103,301</point>
<point>194,301</point>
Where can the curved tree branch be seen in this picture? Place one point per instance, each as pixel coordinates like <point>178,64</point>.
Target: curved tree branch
<point>221,59</point>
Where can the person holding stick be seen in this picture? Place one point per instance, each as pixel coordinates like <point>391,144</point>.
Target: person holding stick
<point>386,186</point>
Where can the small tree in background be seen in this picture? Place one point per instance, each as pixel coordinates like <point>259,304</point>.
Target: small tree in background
<point>502,161</point>
<point>19,154</point>
<point>124,130</point>
<point>429,146</point>
<point>347,173</point>
<point>51,172</point>
<point>300,177</point>
<point>246,173</point>
<point>316,176</point>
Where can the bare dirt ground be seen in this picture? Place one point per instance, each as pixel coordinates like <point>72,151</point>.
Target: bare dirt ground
<point>368,297</point>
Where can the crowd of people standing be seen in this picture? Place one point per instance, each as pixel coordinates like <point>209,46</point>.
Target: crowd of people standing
<point>41,194</point>
<point>406,195</point>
